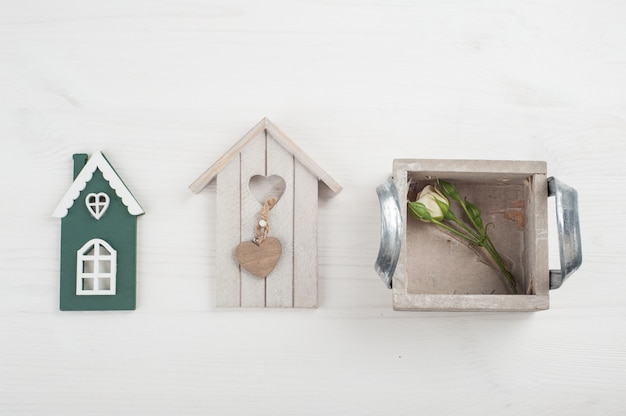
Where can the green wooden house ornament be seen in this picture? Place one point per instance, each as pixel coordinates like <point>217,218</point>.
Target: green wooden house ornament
<point>98,239</point>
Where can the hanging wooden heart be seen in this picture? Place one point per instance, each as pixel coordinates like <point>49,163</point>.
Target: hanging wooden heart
<point>260,255</point>
<point>259,259</point>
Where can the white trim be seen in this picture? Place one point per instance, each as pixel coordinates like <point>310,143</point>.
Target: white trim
<point>97,208</point>
<point>97,161</point>
<point>97,258</point>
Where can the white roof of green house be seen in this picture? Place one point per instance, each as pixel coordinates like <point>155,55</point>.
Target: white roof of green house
<point>97,161</point>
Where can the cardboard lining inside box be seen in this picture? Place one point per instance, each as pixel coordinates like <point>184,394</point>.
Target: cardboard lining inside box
<point>438,271</point>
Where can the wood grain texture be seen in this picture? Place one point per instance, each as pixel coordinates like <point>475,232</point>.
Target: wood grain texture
<point>280,283</point>
<point>252,163</point>
<point>305,281</point>
<point>163,88</point>
<point>228,234</point>
<point>259,259</point>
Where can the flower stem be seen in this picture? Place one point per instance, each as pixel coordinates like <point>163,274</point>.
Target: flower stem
<point>466,228</point>
<point>481,238</point>
<point>424,210</point>
<point>478,227</point>
<point>491,249</point>
<point>470,238</point>
<point>485,241</point>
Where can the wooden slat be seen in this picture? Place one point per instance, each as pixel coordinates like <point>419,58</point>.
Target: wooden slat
<point>279,284</point>
<point>252,163</point>
<point>228,230</point>
<point>305,237</point>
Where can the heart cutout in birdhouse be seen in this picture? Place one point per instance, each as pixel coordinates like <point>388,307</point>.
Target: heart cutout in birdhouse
<point>265,187</point>
<point>260,259</point>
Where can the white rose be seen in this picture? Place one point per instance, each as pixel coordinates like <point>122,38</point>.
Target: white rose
<point>435,203</point>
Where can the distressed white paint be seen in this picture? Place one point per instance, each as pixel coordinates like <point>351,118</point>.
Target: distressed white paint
<point>252,163</point>
<point>305,238</point>
<point>279,284</point>
<point>266,163</point>
<point>228,235</point>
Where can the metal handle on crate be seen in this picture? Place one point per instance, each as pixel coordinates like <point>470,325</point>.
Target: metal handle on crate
<point>391,231</point>
<point>568,228</point>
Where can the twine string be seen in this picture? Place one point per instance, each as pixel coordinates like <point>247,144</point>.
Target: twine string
<point>262,228</point>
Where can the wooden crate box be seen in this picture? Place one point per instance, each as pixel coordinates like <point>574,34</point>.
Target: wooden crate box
<point>437,271</point>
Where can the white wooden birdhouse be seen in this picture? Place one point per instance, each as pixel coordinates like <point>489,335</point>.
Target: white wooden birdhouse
<point>266,249</point>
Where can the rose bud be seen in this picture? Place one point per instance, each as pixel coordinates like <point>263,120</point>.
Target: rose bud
<point>434,202</point>
<point>449,190</point>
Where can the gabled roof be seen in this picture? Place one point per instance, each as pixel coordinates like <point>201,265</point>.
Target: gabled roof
<point>203,180</point>
<point>97,161</point>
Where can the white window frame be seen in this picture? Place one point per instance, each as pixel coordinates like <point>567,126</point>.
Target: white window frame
<point>97,208</point>
<point>95,268</point>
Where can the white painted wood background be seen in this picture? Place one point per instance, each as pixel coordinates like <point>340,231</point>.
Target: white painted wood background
<point>166,87</point>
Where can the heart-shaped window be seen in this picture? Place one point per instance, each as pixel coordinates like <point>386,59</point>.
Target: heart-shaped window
<point>264,187</point>
<point>97,204</point>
